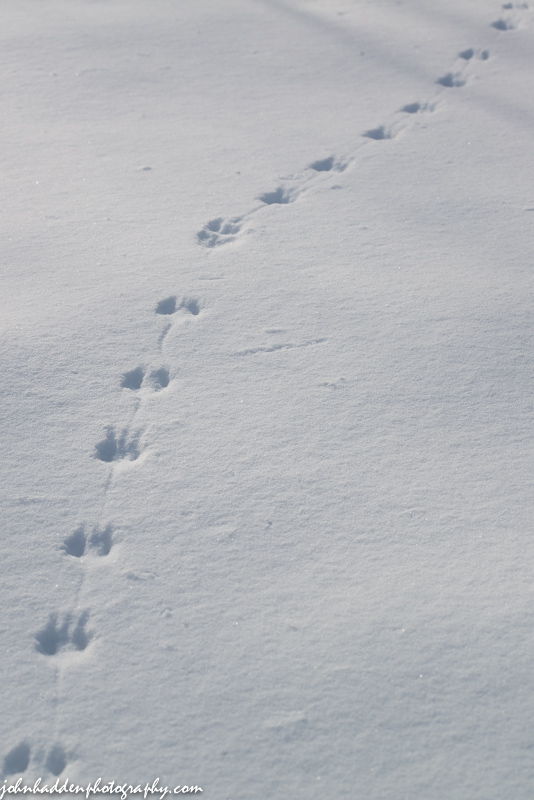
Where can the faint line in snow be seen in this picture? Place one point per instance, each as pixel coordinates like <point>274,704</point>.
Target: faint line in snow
<point>274,347</point>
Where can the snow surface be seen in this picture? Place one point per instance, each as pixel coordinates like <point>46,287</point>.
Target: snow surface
<point>267,416</point>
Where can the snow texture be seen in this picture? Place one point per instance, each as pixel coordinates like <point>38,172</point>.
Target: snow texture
<point>267,417</point>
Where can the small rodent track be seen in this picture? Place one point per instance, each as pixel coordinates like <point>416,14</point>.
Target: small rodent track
<point>64,633</point>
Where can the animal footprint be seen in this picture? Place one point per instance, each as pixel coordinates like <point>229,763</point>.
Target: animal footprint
<point>74,545</point>
<point>159,379</point>
<point>133,379</point>
<point>56,761</point>
<point>279,196</point>
<point>451,80</point>
<point>170,306</point>
<point>219,231</point>
<point>117,449</point>
<point>17,759</point>
<point>328,164</point>
<point>100,540</point>
<point>417,108</point>
<point>379,133</point>
<point>167,306</point>
<point>58,636</point>
<point>470,53</point>
<point>503,24</point>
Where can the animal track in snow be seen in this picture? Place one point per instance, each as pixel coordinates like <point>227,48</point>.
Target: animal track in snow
<point>17,759</point>
<point>471,52</point>
<point>171,306</point>
<point>167,306</point>
<point>133,379</point>
<point>117,449</point>
<point>159,379</point>
<point>328,164</point>
<point>56,636</point>
<point>503,25</point>
<point>74,545</point>
<point>417,108</point>
<point>279,196</point>
<point>219,231</point>
<point>274,347</point>
<point>56,760</point>
<point>379,133</point>
<point>100,540</point>
<point>451,80</point>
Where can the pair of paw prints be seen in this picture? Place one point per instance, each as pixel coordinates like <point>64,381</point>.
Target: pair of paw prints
<point>18,760</point>
<point>99,541</point>
<point>135,378</point>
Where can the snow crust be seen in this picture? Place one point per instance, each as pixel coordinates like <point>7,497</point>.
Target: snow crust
<point>267,416</point>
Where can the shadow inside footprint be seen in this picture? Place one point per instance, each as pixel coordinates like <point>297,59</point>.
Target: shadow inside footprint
<point>218,231</point>
<point>451,80</point>
<point>133,379</point>
<point>53,636</point>
<point>74,545</point>
<point>379,133</point>
<point>17,759</point>
<point>327,164</point>
<point>324,165</point>
<point>57,636</point>
<point>280,196</point>
<point>113,449</point>
<point>106,450</point>
<point>191,305</point>
<point>160,379</point>
<point>102,540</point>
<point>56,761</point>
<point>412,108</point>
<point>503,25</point>
<point>167,306</point>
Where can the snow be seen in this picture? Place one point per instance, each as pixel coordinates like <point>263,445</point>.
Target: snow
<point>266,324</point>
